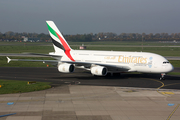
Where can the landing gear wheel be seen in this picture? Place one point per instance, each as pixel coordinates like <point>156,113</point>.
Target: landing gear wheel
<point>162,76</point>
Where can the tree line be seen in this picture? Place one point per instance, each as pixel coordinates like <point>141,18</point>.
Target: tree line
<point>108,36</point>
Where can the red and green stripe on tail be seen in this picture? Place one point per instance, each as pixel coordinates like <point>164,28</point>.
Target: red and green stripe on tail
<point>54,31</point>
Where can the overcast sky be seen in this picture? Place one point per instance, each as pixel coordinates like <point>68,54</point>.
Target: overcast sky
<point>91,16</point>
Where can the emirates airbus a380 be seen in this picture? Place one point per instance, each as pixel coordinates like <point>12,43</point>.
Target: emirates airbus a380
<point>101,62</point>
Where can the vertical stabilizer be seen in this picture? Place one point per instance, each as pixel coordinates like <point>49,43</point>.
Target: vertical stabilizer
<point>58,40</point>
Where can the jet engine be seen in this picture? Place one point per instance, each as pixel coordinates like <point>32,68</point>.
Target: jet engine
<point>66,68</point>
<point>99,70</point>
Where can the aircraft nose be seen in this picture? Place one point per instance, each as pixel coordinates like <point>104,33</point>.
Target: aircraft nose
<point>171,68</point>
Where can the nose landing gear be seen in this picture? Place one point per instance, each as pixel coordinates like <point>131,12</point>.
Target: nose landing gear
<point>162,76</point>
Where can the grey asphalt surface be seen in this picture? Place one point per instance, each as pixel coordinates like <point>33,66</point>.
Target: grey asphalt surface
<point>81,96</point>
<point>83,77</point>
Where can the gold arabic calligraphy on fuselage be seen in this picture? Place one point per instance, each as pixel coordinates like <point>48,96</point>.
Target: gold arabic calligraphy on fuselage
<point>130,59</point>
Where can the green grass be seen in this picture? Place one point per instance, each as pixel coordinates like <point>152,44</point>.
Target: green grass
<point>3,62</point>
<point>174,73</point>
<point>175,63</point>
<point>11,86</point>
<point>124,43</point>
<point>22,49</point>
<point>146,43</point>
<point>164,51</point>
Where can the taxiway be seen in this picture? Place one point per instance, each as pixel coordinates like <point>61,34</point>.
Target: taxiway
<point>81,96</point>
<point>83,77</point>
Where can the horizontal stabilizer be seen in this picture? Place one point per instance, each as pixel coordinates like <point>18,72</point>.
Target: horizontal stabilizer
<point>8,59</point>
<point>44,61</point>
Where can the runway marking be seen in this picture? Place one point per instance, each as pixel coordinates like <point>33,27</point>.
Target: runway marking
<point>173,111</point>
<point>171,84</point>
<point>160,86</point>
<point>163,85</point>
<point>169,93</point>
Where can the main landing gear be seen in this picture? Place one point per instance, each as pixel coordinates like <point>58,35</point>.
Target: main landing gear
<point>162,76</point>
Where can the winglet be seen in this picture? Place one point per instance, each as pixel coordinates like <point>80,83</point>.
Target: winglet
<point>8,59</point>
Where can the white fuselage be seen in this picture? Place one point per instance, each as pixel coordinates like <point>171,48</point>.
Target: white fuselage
<point>137,61</point>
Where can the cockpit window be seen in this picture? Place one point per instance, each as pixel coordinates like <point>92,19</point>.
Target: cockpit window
<point>165,62</point>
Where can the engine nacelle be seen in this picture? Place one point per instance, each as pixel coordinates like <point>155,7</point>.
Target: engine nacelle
<point>66,68</point>
<point>99,70</point>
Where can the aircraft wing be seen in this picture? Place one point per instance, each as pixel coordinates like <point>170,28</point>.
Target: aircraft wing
<point>85,64</point>
<point>108,66</point>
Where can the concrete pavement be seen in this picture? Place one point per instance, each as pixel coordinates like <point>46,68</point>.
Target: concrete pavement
<point>75,102</point>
